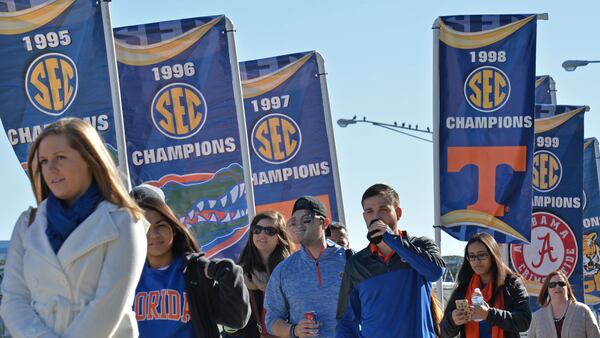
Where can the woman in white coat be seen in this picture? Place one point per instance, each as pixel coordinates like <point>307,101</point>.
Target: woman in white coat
<point>73,264</point>
<point>561,315</point>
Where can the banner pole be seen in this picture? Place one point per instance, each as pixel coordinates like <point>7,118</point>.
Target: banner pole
<point>436,150</point>
<point>241,116</point>
<point>115,94</point>
<point>329,127</point>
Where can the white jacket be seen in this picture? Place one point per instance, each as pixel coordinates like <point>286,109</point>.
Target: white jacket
<point>579,322</point>
<point>87,289</point>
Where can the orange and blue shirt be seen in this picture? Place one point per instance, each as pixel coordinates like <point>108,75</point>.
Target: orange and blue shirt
<point>161,305</point>
<point>390,296</point>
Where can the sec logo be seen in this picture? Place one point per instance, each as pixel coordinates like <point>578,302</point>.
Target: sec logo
<point>276,138</point>
<point>179,110</point>
<point>547,171</point>
<point>487,89</point>
<point>51,83</point>
<point>553,247</point>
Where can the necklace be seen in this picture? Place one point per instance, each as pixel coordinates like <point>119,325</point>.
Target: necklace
<point>563,316</point>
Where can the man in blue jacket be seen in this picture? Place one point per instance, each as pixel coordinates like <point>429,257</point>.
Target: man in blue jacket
<point>309,280</point>
<point>386,289</point>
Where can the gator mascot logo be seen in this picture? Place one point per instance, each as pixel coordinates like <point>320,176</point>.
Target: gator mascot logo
<point>591,254</point>
<point>213,206</point>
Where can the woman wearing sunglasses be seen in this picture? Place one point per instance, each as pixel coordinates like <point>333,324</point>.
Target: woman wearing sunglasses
<point>267,246</point>
<point>561,316</point>
<point>505,310</point>
<point>182,294</point>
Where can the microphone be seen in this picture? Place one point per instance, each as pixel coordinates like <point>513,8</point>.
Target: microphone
<point>377,239</point>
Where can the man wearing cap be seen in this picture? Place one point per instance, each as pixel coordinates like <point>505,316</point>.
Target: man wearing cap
<point>386,290</point>
<point>309,280</point>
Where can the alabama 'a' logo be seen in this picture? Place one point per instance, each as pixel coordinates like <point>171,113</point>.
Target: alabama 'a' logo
<point>553,247</point>
<point>179,110</point>
<point>276,138</point>
<point>51,83</point>
<point>487,89</point>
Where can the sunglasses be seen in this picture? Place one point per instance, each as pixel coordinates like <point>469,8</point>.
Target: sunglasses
<point>257,229</point>
<point>552,285</point>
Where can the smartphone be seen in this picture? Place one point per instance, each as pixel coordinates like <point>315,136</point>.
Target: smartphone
<point>462,304</point>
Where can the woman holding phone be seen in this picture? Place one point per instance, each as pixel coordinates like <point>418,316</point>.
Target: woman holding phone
<point>505,310</point>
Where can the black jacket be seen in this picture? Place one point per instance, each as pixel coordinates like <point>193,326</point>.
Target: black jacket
<point>222,300</point>
<point>515,318</point>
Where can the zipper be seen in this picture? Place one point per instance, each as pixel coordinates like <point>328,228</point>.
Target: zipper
<point>319,281</point>
<point>319,274</point>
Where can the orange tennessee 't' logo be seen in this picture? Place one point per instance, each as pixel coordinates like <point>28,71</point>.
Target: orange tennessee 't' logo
<point>487,159</point>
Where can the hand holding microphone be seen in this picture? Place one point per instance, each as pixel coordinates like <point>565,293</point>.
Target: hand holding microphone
<point>376,230</point>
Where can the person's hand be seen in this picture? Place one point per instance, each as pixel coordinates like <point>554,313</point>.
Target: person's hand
<point>307,328</point>
<point>480,311</point>
<point>206,270</point>
<point>461,317</point>
<point>377,228</point>
<point>205,263</point>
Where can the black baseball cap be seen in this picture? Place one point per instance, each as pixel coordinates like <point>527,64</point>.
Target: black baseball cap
<point>310,203</point>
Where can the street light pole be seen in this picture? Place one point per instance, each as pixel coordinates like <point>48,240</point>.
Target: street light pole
<point>571,65</point>
<point>393,127</point>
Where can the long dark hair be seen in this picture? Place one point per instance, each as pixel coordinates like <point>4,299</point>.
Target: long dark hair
<point>250,259</point>
<point>183,241</point>
<point>499,270</point>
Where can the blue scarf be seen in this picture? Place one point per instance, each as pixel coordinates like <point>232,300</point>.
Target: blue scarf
<point>63,219</point>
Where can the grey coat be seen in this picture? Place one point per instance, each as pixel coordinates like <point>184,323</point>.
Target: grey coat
<point>579,322</point>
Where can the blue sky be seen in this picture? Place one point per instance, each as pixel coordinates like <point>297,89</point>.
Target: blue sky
<point>378,56</point>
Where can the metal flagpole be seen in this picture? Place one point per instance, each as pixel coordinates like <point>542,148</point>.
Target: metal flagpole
<point>115,93</point>
<point>328,126</point>
<point>241,116</point>
<point>436,150</point>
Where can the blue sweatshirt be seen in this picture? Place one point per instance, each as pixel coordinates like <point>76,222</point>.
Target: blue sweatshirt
<point>390,299</point>
<point>301,283</point>
<point>161,306</point>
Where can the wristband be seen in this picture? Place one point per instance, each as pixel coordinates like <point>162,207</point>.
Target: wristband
<point>292,329</point>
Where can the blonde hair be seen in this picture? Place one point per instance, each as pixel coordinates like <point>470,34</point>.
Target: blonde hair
<point>82,137</point>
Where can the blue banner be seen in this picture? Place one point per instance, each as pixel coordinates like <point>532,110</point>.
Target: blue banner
<point>54,65</point>
<point>557,200</point>
<point>289,130</point>
<point>591,222</point>
<point>184,124</point>
<point>545,90</point>
<point>485,135</point>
